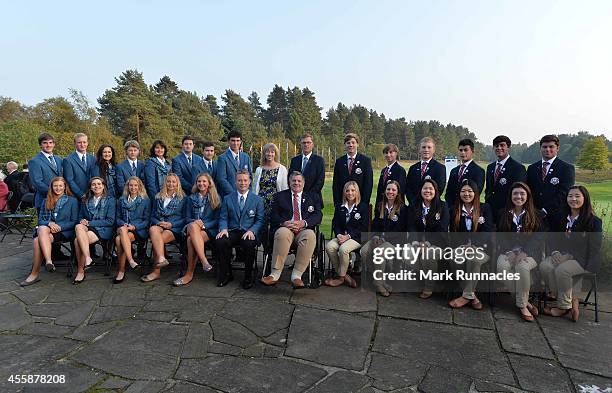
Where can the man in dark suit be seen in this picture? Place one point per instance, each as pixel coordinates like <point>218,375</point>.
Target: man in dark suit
<point>131,166</point>
<point>78,166</point>
<point>208,164</point>
<point>230,162</point>
<point>310,165</point>
<point>184,164</point>
<point>501,174</point>
<point>12,182</point>
<point>393,171</point>
<point>550,178</point>
<point>467,170</point>
<point>426,168</point>
<point>240,222</point>
<point>293,218</point>
<point>352,166</point>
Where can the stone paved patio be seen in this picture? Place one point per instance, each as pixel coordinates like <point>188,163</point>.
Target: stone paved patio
<point>135,337</point>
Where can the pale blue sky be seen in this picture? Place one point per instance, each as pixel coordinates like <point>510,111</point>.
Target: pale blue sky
<point>523,68</point>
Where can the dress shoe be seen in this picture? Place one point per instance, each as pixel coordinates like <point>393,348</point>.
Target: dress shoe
<point>50,267</point>
<point>77,282</point>
<point>247,283</point>
<point>118,281</point>
<point>268,281</point>
<point>297,283</point>
<point>223,282</point>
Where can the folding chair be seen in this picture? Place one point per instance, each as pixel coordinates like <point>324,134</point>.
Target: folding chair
<point>22,221</point>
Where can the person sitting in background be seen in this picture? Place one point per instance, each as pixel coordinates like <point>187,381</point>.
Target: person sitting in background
<point>475,220</point>
<point>156,168</point>
<point>12,180</point>
<point>167,222</point>
<point>202,221</point>
<point>350,219</point>
<point>388,225</point>
<point>574,253</point>
<point>133,218</point>
<point>4,194</point>
<point>518,253</point>
<point>58,214</point>
<point>428,220</point>
<point>97,221</point>
<point>106,168</point>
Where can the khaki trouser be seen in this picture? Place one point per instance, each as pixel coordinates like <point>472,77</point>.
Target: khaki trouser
<point>283,239</point>
<point>472,266</point>
<point>520,288</point>
<point>562,280</point>
<point>339,254</point>
<point>366,257</point>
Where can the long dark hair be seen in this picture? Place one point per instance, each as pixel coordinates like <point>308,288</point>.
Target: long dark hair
<point>475,205</point>
<point>90,194</point>
<point>530,221</point>
<point>154,145</point>
<point>435,207</point>
<point>102,163</point>
<point>397,204</point>
<point>586,214</point>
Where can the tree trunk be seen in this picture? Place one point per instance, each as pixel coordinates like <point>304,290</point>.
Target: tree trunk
<point>137,127</point>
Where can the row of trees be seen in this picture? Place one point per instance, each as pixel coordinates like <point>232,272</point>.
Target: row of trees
<point>134,110</point>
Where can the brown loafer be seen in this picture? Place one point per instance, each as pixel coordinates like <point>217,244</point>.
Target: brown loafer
<point>476,304</point>
<point>268,281</point>
<point>528,318</point>
<point>348,280</point>
<point>333,282</point>
<point>298,283</point>
<point>425,294</point>
<point>533,309</point>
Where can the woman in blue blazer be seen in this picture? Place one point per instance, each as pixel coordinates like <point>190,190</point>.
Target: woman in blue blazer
<point>574,250</point>
<point>133,217</point>
<point>157,168</point>
<point>167,222</point>
<point>58,214</point>
<point>428,220</point>
<point>350,219</point>
<point>471,227</point>
<point>202,224</point>
<point>97,223</point>
<point>106,168</point>
<point>388,227</point>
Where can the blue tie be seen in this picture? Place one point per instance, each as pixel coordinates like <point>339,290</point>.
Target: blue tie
<point>53,162</point>
<point>304,163</point>
<point>241,202</point>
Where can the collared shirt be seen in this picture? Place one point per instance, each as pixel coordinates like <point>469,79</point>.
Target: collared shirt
<point>235,156</point>
<point>550,162</point>
<point>47,155</point>
<point>168,199</point>
<point>517,219</point>
<point>130,199</point>
<point>299,201</point>
<point>466,164</point>
<point>207,164</point>
<point>503,162</point>
<point>468,220</point>
<point>245,195</point>
<point>570,221</point>
<point>425,161</point>
<point>82,156</point>
<point>307,156</point>
<point>133,164</point>
<point>161,160</point>
<point>96,200</point>
<point>424,212</point>
<point>349,210</point>
<point>388,210</point>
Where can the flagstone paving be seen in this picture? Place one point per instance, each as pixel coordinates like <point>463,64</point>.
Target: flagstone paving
<point>138,337</point>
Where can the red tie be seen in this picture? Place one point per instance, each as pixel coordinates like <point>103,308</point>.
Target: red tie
<point>545,165</point>
<point>423,168</point>
<point>296,209</point>
<point>350,165</point>
<point>498,171</point>
<point>461,171</point>
<point>385,175</point>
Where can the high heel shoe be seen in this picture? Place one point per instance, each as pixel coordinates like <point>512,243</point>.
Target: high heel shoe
<point>116,281</point>
<point>134,266</point>
<point>77,282</point>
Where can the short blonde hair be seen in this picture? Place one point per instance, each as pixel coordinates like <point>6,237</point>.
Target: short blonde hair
<point>427,139</point>
<point>213,194</point>
<point>79,135</point>
<point>163,193</point>
<point>351,135</point>
<point>266,148</point>
<point>142,192</point>
<point>351,184</point>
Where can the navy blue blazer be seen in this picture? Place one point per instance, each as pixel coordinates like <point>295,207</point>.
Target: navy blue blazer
<point>251,218</point>
<point>186,173</point>
<point>201,168</point>
<point>124,172</point>
<point>153,177</point>
<point>139,217</point>
<point>41,172</point>
<point>77,175</point>
<point>435,171</point>
<point>473,172</point>
<point>550,193</point>
<point>392,228</point>
<point>104,220</point>
<point>111,180</point>
<point>584,246</point>
<point>209,217</point>
<point>358,221</point>
<point>496,193</point>
<point>282,209</point>
<point>175,216</point>
<point>314,173</point>
<point>398,173</point>
<point>227,168</point>
<point>361,173</point>
<point>481,235</point>
<point>434,231</point>
<point>67,218</point>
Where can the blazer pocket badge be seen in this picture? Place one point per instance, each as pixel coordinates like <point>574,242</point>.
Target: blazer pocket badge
<point>481,220</point>
<point>437,216</point>
<point>554,181</point>
<point>394,217</point>
<point>357,216</point>
<point>503,181</point>
<point>427,177</point>
<point>310,209</point>
<point>251,213</point>
<point>358,171</point>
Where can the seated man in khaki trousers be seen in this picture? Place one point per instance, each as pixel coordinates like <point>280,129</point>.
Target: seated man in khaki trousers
<point>293,217</point>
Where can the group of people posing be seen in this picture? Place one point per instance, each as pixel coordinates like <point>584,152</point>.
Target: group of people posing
<point>200,200</point>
